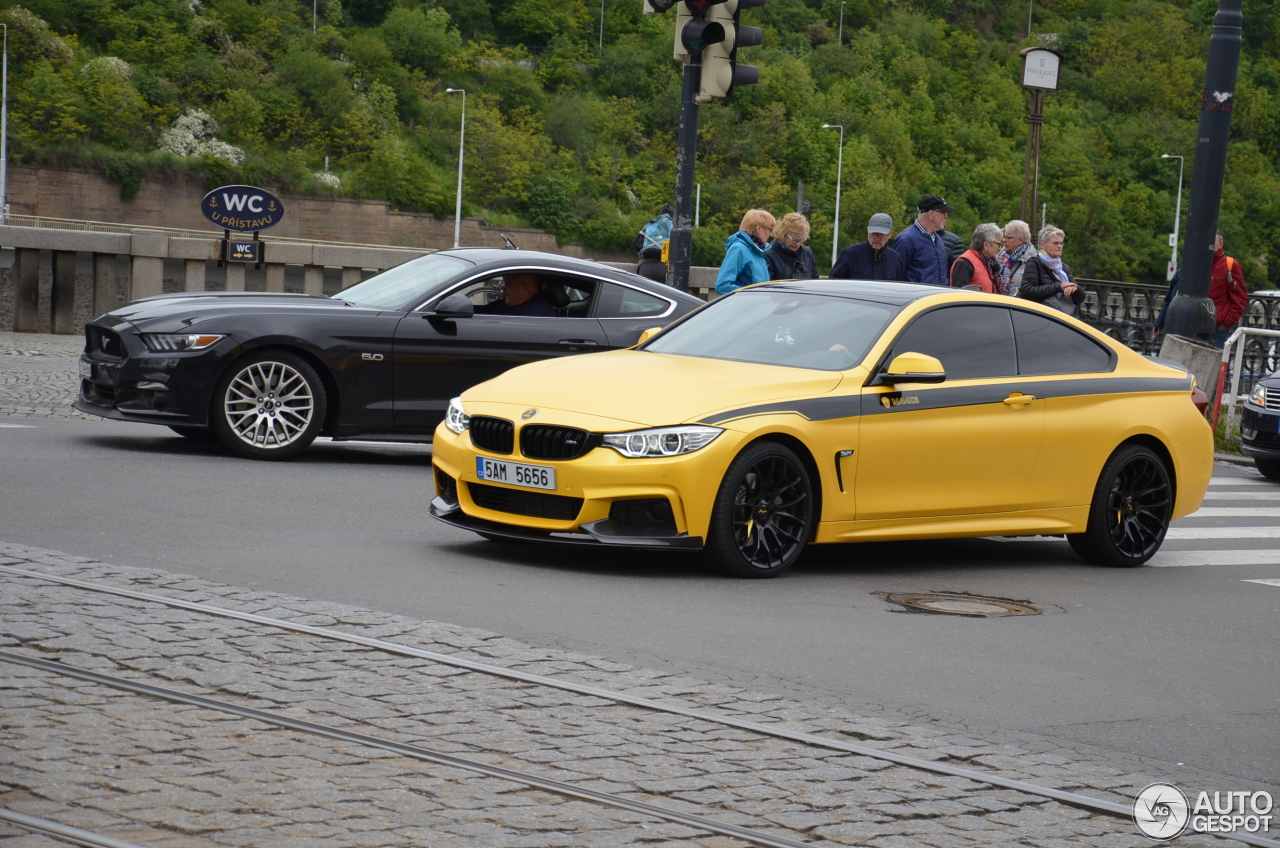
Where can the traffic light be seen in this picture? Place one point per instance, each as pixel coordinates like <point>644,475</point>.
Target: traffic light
<point>721,73</point>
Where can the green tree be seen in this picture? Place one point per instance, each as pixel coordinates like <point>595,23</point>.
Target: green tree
<point>46,108</point>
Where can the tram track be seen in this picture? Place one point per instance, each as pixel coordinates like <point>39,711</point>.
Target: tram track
<point>1073,799</point>
<point>63,832</point>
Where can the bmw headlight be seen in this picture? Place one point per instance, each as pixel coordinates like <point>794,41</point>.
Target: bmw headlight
<point>662,441</point>
<point>171,342</point>
<point>1259,396</point>
<point>455,419</point>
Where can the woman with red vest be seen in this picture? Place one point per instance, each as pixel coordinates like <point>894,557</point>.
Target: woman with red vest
<point>977,266</point>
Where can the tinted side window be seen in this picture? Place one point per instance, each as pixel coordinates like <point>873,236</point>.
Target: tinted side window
<point>1046,346</point>
<point>971,341</point>
<point>623,302</point>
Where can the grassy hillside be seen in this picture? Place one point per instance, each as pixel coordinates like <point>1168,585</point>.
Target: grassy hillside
<point>580,140</point>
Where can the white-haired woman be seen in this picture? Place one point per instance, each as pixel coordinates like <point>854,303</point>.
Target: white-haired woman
<point>1047,279</point>
<point>977,266</point>
<point>787,257</point>
<point>1013,258</point>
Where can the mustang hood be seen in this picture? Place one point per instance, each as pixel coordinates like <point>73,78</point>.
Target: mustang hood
<point>649,389</point>
<point>176,313</point>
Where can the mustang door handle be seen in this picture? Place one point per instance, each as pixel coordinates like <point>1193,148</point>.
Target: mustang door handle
<point>578,342</point>
<point>1020,400</point>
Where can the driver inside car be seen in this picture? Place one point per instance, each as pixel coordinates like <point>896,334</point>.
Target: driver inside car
<point>521,297</point>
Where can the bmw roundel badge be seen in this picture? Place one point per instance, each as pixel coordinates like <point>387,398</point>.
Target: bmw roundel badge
<point>528,413</point>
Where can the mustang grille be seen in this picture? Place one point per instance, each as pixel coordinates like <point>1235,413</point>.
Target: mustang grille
<point>496,435</point>
<point>542,441</point>
<point>519,502</point>
<point>106,342</point>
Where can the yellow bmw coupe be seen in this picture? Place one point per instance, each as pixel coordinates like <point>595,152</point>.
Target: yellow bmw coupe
<point>796,413</point>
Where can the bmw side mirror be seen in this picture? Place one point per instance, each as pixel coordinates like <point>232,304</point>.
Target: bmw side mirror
<point>453,306</point>
<point>913,368</point>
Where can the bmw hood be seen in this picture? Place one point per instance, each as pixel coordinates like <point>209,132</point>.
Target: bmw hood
<point>645,389</point>
<point>175,313</point>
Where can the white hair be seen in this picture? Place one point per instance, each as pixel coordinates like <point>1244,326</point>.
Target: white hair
<point>1047,234</point>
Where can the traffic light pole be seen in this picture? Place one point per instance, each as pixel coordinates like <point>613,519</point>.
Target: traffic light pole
<point>686,150</point>
<point>1191,314</point>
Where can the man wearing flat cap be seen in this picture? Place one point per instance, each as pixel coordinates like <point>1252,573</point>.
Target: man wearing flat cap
<point>921,247</point>
<point>872,259</point>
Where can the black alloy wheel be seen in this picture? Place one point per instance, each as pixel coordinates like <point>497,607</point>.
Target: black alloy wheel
<point>1130,512</point>
<point>1267,467</point>
<point>764,512</point>
<point>268,405</point>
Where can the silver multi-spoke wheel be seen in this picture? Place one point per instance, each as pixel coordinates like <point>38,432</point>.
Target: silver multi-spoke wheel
<point>269,404</point>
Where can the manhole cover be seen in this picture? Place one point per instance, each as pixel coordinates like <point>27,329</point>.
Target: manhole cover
<point>971,605</point>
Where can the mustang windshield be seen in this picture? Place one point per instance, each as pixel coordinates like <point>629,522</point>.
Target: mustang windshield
<point>404,285</point>
<point>781,328</point>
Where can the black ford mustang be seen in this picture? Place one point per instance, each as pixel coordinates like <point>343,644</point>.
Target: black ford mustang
<point>267,373</point>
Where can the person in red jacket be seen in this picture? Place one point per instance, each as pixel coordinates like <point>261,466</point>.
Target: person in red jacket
<point>1227,291</point>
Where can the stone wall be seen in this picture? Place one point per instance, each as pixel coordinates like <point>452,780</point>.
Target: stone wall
<point>175,202</point>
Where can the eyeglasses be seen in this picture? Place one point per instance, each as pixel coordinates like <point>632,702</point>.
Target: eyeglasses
<point>793,239</point>
<point>1057,243</point>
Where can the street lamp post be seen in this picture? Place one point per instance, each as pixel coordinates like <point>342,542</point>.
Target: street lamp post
<point>835,235</point>
<point>1177,216</point>
<point>4,133</point>
<point>840,34</point>
<point>462,146</point>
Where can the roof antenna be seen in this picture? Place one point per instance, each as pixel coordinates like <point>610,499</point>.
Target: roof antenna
<point>510,244</point>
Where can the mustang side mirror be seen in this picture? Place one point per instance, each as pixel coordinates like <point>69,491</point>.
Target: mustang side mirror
<point>453,306</point>
<point>648,334</point>
<point>913,368</point>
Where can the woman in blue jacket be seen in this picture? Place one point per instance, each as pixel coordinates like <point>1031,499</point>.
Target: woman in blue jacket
<point>744,262</point>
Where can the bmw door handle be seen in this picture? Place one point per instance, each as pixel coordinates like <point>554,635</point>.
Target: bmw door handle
<point>1020,400</point>
<point>577,342</point>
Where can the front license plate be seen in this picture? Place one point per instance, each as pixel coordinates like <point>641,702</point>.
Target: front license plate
<point>86,370</point>
<point>516,473</point>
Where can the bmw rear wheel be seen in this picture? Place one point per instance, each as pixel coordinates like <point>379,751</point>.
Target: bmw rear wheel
<point>269,405</point>
<point>763,514</point>
<point>1130,512</point>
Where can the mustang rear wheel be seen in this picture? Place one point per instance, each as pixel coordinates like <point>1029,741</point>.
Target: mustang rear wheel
<point>763,514</point>
<point>269,405</point>
<point>1130,512</point>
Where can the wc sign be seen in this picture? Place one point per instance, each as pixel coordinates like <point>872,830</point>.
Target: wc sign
<point>244,251</point>
<point>244,209</point>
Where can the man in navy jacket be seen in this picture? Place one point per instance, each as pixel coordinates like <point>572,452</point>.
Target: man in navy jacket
<point>872,259</point>
<point>921,247</point>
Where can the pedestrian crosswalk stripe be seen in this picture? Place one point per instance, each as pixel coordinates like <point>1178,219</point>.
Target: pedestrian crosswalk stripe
<point>1242,481</point>
<point>1263,582</point>
<point>1171,559</point>
<point>1212,495</point>
<point>1236,512</point>
<point>1185,533</point>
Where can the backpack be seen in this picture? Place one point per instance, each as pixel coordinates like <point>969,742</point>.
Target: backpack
<point>654,233</point>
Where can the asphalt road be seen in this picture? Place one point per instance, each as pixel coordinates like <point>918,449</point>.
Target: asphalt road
<point>1177,664</point>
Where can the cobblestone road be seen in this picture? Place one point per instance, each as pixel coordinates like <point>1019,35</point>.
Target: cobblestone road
<point>155,773</point>
<point>38,375</point>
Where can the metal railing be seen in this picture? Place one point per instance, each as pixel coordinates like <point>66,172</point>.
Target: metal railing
<point>1124,311</point>
<point>1245,372</point>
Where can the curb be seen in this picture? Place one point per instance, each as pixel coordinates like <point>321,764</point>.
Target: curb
<point>1233,458</point>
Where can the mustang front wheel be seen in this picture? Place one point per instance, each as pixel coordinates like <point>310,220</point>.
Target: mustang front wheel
<point>763,513</point>
<point>270,405</point>
<point>1130,512</point>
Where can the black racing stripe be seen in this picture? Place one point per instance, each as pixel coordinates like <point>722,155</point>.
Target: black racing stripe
<point>851,406</point>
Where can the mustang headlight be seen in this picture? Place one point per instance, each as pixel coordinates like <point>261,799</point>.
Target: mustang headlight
<point>662,441</point>
<point>1259,396</point>
<point>455,419</point>
<point>170,342</point>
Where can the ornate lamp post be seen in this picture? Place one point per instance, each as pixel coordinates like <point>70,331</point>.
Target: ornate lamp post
<point>462,145</point>
<point>1039,76</point>
<point>1191,315</point>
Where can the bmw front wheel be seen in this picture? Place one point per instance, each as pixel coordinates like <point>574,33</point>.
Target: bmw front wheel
<point>764,513</point>
<point>1130,512</point>
<point>269,405</point>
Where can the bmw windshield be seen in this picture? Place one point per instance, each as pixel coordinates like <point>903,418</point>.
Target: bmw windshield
<point>778,327</point>
<point>405,285</point>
